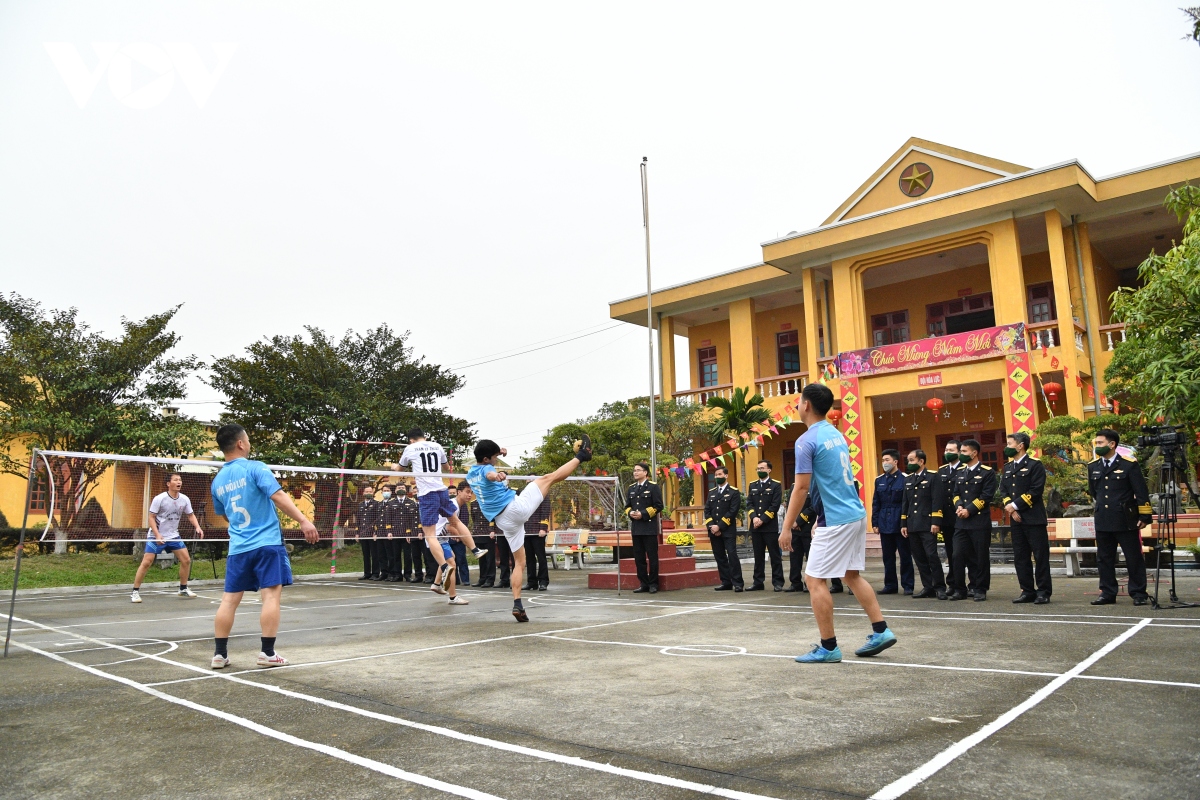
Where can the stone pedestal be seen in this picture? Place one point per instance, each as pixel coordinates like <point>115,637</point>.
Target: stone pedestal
<point>673,573</point>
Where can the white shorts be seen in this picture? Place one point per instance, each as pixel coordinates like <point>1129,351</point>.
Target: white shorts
<point>837,549</point>
<point>511,521</point>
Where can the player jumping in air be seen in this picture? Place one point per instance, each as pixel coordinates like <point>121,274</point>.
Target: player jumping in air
<point>509,510</point>
<point>426,458</point>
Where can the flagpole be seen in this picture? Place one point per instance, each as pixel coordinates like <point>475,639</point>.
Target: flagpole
<point>649,315</point>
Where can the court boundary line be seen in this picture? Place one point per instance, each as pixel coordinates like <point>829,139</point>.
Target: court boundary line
<point>575,761</point>
<point>324,749</point>
<point>906,783</point>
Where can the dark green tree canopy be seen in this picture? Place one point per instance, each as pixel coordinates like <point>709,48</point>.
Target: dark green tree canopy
<point>302,398</point>
<point>66,387</point>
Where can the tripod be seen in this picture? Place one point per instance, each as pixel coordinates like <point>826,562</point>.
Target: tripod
<point>1173,465</point>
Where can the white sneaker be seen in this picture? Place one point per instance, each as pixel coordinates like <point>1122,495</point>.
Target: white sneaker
<point>447,574</point>
<point>479,552</point>
<point>220,662</point>
<point>135,597</point>
<point>458,601</point>
<point>186,592</point>
<point>437,587</point>
<point>276,660</point>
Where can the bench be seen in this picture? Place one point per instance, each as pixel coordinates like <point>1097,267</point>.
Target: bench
<point>1072,530</point>
<point>570,544</point>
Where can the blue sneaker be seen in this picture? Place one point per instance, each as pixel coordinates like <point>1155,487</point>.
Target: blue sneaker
<point>820,655</point>
<point>877,643</point>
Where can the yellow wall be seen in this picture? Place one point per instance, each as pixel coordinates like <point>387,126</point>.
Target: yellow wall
<point>948,176</point>
<point>718,333</point>
<point>914,295</point>
<point>1107,281</point>
<point>1036,267</point>
<point>771,323</point>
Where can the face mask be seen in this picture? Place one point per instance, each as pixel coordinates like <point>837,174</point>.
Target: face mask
<point>387,495</point>
<point>762,476</point>
<point>950,458</point>
<point>964,458</point>
<point>720,481</point>
<point>1103,450</point>
<point>912,468</point>
<point>1010,452</point>
<point>888,466</point>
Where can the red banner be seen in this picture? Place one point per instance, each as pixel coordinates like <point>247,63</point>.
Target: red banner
<point>852,430</point>
<point>936,350</point>
<point>1020,400</point>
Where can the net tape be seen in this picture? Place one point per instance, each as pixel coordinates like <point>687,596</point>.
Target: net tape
<point>105,497</point>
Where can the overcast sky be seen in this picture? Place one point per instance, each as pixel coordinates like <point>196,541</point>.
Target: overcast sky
<point>469,172</point>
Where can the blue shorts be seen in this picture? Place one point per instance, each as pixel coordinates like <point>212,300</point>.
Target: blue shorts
<point>447,553</point>
<point>435,505</point>
<point>154,548</point>
<point>263,566</point>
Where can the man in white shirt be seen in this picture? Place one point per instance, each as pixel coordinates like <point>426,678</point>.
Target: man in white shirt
<point>166,510</point>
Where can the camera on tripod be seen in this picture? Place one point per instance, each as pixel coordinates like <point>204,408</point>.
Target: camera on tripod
<point>1167,437</point>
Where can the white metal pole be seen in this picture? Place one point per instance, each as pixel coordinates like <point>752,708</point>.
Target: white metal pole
<point>649,317</point>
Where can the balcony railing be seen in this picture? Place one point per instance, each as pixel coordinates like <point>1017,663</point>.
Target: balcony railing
<point>1042,334</point>
<point>700,396</point>
<point>1112,335</point>
<point>781,385</point>
<point>1080,332</point>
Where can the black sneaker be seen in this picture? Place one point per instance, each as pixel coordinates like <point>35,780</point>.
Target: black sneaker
<point>520,614</point>
<point>583,448</point>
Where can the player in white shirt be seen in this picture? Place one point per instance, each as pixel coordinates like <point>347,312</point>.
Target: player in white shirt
<point>427,461</point>
<point>166,511</point>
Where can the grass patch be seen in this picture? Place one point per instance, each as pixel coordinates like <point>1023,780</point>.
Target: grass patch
<point>97,569</point>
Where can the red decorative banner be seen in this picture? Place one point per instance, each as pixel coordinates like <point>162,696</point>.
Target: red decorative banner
<point>852,415</point>
<point>1019,395</point>
<point>923,353</point>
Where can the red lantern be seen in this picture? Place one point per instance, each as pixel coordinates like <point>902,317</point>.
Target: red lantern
<point>1052,389</point>
<point>835,416</point>
<point>934,404</point>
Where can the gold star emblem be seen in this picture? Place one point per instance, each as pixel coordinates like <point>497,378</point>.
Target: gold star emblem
<point>916,179</point>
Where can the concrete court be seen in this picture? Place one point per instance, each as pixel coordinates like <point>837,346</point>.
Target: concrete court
<point>685,694</point>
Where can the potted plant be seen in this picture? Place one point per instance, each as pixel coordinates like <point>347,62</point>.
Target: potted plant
<point>685,543</point>
<point>1194,549</point>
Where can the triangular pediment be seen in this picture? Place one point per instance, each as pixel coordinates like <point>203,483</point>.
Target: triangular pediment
<point>921,169</point>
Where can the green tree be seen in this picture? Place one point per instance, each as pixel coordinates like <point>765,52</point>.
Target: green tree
<point>302,398</point>
<point>1157,368</point>
<point>66,387</point>
<point>736,416</point>
<point>1193,15</point>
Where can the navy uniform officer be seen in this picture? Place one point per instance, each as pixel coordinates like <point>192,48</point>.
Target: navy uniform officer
<point>366,520</point>
<point>721,510</point>
<point>1022,486</point>
<point>886,505</point>
<point>391,527</point>
<point>920,522</point>
<point>801,541</point>
<point>643,503</point>
<point>1116,484</point>
<point>974,487</point>
<point>945,475</point>
<point>763,499</point>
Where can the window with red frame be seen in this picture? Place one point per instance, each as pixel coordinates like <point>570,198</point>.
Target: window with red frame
<point>1041,303</point>
<point>787,345</point>
<point>890,328</point>
<point>708,366</point>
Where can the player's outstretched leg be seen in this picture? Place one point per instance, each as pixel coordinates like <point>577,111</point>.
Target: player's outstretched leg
<point>881,637</point>
<point>461,532</point>
<point>583,452</point>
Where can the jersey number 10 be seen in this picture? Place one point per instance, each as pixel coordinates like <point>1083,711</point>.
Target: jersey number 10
<point>429,462</point>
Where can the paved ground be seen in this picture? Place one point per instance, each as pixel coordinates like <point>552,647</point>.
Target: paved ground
<point>676,696</point>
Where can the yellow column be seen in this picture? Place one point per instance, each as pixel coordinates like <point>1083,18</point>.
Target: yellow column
<point>1093,304</point>
<point>1008,279</point>
<point>743,338</point>
<point>666,351</point>
<point>1062,301</point>
<point>848,314</point>
<point>811,322</point>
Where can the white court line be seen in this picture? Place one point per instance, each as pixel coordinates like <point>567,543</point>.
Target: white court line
<point>648,777</point>
<point>903,785</point>
<point>333,752</point>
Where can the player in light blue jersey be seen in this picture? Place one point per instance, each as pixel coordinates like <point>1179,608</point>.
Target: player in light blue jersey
<point>246,493</point>
<point>839,545</point>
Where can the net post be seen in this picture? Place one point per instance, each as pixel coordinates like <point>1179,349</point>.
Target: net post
<point>337,514</point>
<point>12,601</point>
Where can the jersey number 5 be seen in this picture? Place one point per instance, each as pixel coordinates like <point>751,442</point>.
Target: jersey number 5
<point>239,510</point>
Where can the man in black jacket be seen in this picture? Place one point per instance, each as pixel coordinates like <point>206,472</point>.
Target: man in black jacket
<point>1118,487</point>
<point>391,514</point>
<point>919,524</point>
<point>366,520</point>
<point>644,503</point>
<point>946,476</point>
<point>721,511</point>
<point>1022,486</point>
<point>537,528</point>
<point>974,487</point>
<point>801,541</point>
<point>887,504</point>
<point>763,498</point>
<point>411,541</point>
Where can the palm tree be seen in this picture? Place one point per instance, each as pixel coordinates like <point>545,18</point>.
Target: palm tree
<point>736,416</point>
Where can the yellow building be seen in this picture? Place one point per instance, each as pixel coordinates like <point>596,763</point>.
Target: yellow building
<point>946,274</point>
